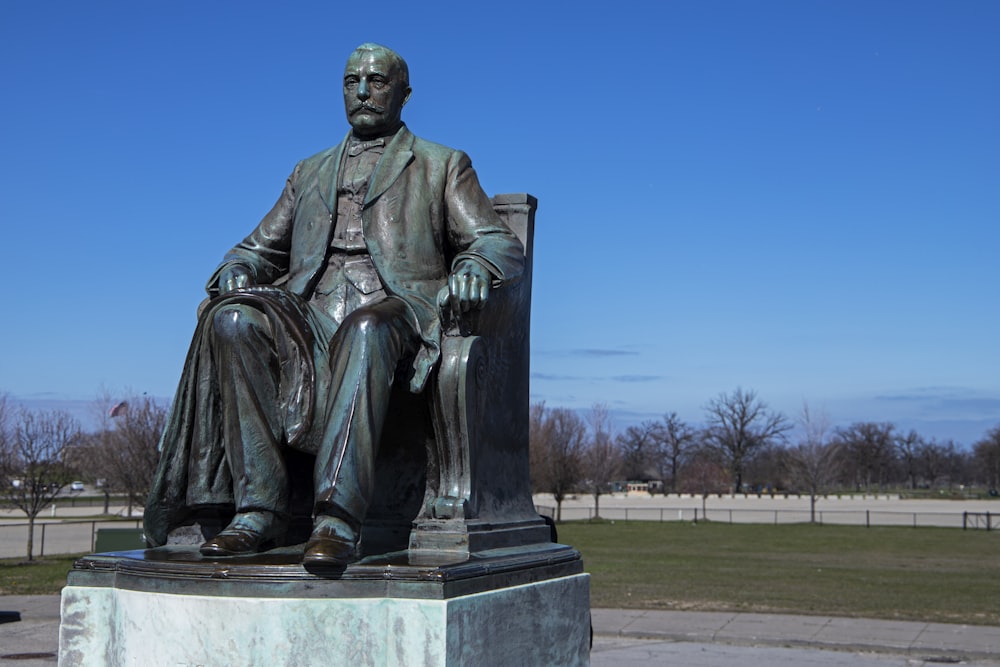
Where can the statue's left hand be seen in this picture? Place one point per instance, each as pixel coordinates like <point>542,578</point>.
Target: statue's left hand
<point>234,277</point>
<point>469,286</point>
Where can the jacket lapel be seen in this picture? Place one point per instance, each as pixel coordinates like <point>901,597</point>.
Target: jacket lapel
<point>397,155</point>
<point>328,175</point>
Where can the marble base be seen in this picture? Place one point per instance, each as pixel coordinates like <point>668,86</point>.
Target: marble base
<point>113,620</point>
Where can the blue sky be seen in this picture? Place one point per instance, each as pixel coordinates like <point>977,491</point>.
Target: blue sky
<point>800,198</point>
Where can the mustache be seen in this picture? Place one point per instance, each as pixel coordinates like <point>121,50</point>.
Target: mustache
<point>367,106</point>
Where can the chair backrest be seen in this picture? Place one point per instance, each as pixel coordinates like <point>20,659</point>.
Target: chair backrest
<point>501,485</point>
<point>518,212</point>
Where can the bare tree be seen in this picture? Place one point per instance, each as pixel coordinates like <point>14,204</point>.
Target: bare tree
<point>557,439</point>
<point>705,475</point>
<point>938,460</point>
<point>812,462</point>
<point>908,448</point>
<point>674,444</point>
<point>738,426</point>
<point>867,451</point>
<point>85,457</point>
<point>987,455</point>
<point>638,445</point>
<point>601,461</point>
<point>124,449</point>
<point>765,471</point>
<point>32,468</point>
<point>537,453</point>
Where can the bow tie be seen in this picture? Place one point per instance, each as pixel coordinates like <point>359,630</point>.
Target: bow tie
<point>357,149</point>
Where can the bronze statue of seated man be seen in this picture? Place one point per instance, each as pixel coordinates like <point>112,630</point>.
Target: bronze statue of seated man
<point>333,298</point>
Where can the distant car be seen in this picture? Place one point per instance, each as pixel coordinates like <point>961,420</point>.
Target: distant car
<point>76,486</point>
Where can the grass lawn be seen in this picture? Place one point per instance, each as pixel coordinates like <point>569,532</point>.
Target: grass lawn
<point>926,574</point>
<point>922,574</point>
<point>42,576</point>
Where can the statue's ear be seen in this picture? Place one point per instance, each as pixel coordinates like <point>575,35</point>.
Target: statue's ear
<point>406,96</point>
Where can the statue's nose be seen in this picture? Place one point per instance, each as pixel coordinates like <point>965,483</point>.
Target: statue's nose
<point>363,90</point>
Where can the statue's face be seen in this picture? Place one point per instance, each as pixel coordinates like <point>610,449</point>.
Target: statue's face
<point>374,93</point>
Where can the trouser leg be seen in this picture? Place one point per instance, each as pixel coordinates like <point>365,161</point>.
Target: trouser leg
<point>365,353</point>
<point>247,368</point>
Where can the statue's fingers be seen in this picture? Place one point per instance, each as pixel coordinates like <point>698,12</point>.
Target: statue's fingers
<point>484,292</point>
<point>463,293</point>
<point>453,292</point>
<point>474,292</point>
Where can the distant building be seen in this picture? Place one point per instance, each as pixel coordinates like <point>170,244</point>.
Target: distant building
<point>638,486</point>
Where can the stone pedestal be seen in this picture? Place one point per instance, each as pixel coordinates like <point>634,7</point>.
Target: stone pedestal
<point>169,606</point>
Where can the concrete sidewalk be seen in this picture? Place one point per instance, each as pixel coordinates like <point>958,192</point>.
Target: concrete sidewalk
<point>934,643</point>
<point>37,633</point>
<point>688,639</point>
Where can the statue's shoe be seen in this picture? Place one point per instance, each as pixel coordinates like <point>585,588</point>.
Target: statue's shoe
<point>246,534</point>
<point>332,544</point>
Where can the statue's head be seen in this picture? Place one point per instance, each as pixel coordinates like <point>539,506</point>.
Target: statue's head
<point>376,86</point>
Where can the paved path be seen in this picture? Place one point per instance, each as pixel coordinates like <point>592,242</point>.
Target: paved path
<point>37,632</point>
<point>646,653</point>
<point>624,638</point>
<point>627,637</point>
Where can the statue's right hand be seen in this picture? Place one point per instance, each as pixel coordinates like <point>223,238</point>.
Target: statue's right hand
<point>234,277</point>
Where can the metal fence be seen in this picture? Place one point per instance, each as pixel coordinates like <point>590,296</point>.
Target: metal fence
<point>856,517</point>
<point>69,537</point>
<point>977,520</point>
<point>57,537</point>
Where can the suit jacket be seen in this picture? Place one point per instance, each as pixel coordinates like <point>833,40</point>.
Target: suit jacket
<point>424,212</point>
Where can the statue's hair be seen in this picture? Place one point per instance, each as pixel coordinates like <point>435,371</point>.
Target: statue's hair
<point>397,60</point>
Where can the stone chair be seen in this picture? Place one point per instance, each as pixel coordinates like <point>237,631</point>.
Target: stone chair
<point>452,475</point>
